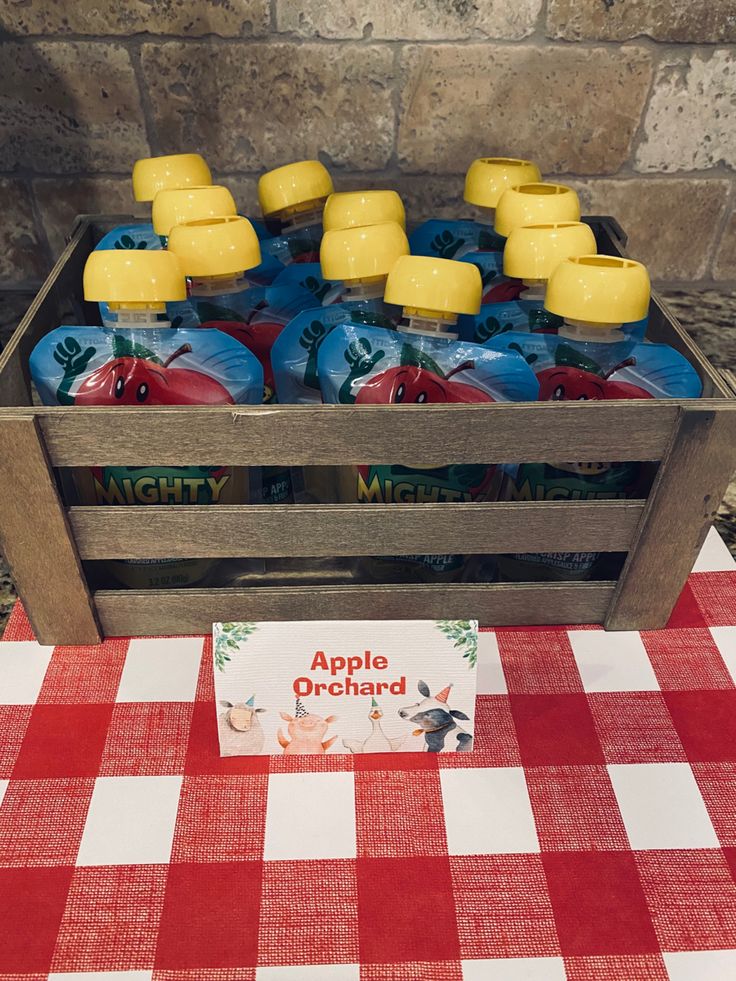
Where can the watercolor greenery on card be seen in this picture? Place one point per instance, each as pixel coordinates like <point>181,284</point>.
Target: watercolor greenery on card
<point>364,686</point>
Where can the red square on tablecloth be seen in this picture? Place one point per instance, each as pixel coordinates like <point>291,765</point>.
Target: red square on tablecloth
<point>309,913</point>
<point>63,741</point>
<point>406,910</point>
<point>555,730</point>
<point>221,818</point>
<point>502,907</point>
<point>203,750</point>
<point>207,974</point>
<point>686,659</point>
<point>717,785</point>
<point>706,724</point>
<point>691,896</point>
<point>90,674</point>
<point>539,662</point>
<point>13,723</point>
<point>640,967</point>
<point>495,742</point>
<point>31,907</point>
<point>147,739</point>
<point>635,727</point>
<point>210,916</point>
<point>598,903</point>
<point>715,595</point>
<point>42,821</point>
<point>399,813</point>
<point>111,919</point>
<point>687,611</point>
<point>206,679</point>
<point>575,809</point>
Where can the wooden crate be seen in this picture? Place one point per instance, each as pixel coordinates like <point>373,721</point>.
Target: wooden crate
<point>45,542</point>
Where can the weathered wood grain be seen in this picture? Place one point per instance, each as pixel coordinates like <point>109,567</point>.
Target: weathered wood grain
<point>687,491</point>
<point>357,529</point>
<point>185,611</point>
<point>340,435</point>
<point>37,542</point>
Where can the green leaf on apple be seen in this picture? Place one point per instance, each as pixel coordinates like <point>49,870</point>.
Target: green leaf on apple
<point>567,356</point>
<point>123,347</point>
<point>212,311</point>
<point>411,356</point>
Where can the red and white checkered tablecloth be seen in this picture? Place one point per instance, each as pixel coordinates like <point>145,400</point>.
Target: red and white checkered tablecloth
<point>590,836</point>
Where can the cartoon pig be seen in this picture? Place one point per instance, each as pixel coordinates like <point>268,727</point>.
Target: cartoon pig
<point>305,732</point>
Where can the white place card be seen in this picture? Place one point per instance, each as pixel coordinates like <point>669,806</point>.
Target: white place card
<point>345,686</point>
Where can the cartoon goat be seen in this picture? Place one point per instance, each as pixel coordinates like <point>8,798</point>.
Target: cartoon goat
<point>305,732</point>
<point>240,728</point>
<point>435,721</point>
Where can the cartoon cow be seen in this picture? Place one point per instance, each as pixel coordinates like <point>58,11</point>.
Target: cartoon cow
<point>305,732</point>
<point>240,728</point>
<point>435,721</point>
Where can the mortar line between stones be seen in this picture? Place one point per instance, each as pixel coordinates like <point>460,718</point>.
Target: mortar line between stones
<point>720,232</point>
<point>134,53</point>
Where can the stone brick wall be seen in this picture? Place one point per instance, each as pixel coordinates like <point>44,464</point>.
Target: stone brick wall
<point>631,101</point>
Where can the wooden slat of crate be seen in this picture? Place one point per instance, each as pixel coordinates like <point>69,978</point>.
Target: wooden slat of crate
<point>193,611</point>
<point>336,435</point>
<point>344,529</point>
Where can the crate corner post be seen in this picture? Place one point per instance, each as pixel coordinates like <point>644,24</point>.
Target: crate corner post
<point>692,479</point>
<point>37,540</point>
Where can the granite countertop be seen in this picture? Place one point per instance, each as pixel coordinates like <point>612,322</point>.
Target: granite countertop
<point>708,315</point>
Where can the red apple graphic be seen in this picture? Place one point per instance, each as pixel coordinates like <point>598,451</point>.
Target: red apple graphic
<point>136,381</point>
<point>409,383</point>
<point>258,338</point>
<point>570,384</point>
<point>509,289</point>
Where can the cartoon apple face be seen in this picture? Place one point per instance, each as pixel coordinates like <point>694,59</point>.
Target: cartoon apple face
<point>139,381</point>
<point>258,338</point>
<point>410,384</point>
<point>564,383</point>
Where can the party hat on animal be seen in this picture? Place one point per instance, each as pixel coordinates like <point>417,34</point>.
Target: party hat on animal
<point>443,695</point>
<point>300,710</point>
<point>374,703</point>
<point>251,701</point>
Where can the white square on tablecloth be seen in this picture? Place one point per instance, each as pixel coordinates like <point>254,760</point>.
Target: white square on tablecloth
<point>23,666</point>
<point>515,969</point>
<point>725,640</point>
<point>714,555</point>
<point>310,815</point>
<point>661,806</point>
<point>310,972</point>
<point>487,811</point>
<point>3,788</point>
<point>161,669</point>
<point>701,965</point>
<point>491,679</point>
<point>615,661</point>
<point>130,821</point>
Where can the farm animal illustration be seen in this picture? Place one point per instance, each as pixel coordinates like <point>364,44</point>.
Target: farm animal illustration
<point>378,741</point>
<point>240,728</point>
<point>436,721</point>
<point>306,732</point>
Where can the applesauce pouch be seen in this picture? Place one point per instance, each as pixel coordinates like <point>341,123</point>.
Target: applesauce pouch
<point>295,351</point>
<point>308,276</point>
<point>362,366</point>
<point>523,315</point>
<point>130,367</point>
<point>570,370</point>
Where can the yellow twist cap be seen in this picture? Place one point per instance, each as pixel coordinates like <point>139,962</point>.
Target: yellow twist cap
<point>488,177</point>
<point>175,205</point>
<point>430,285</point>
<point>533,251</point>
<point>123,276</point>
<point>355,254</point>
<point>530,203</point>
<point>220,246</point>
<point>599,289</point>
<point>154,174</point>
<point>294,186</point>
<point>349,209</point>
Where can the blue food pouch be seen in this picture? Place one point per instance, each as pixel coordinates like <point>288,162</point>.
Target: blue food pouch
<point>295,351</point>
<point>308,276</point>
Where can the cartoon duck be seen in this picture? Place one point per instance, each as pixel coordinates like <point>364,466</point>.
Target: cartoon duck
<point>378,741</point>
